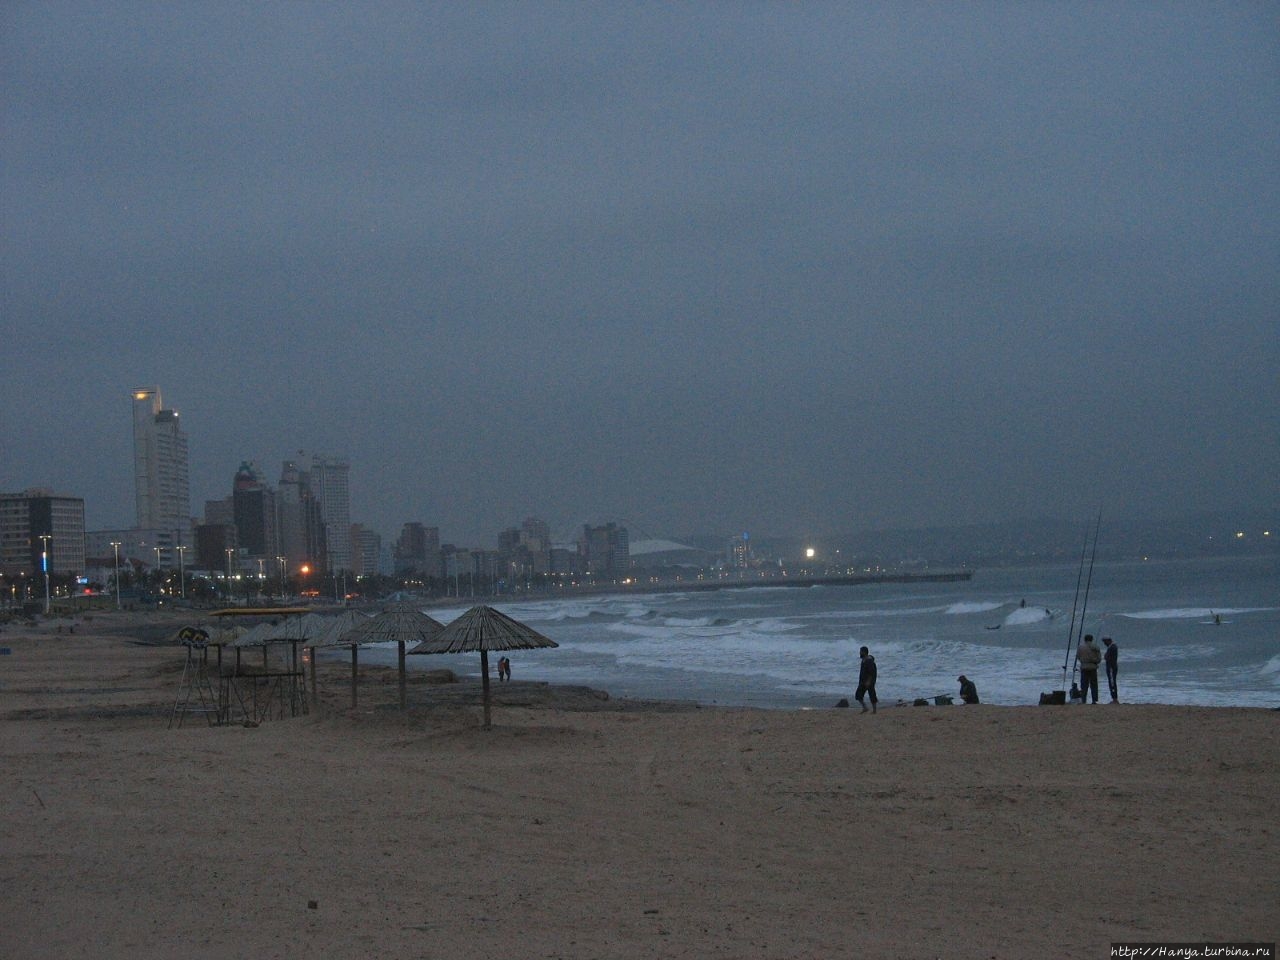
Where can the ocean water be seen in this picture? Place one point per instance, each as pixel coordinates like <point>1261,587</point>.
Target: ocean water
<point>1203,632</point>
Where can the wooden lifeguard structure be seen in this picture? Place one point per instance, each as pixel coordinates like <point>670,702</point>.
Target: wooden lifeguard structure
<point>255,693</point>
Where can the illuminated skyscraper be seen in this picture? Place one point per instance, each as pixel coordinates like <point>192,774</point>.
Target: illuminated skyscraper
<point>329,484</point>
<point>301,528</point>
<point>160,467</point>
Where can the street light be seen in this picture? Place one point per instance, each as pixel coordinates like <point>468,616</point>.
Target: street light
<point>44,565</point>
<point>283,563</point>
<point>261,561</point>
<point>229,552</point>
<point>115,545</point>
<point>182,570</point>
<point>159,579</point>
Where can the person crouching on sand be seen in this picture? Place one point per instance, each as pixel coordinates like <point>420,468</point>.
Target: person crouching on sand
<point>968,690</point>
<point>867,680</point>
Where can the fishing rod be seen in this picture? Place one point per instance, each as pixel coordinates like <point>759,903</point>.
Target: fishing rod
<point>1071,630</point>
<point>1089,580</point>
<point>1074,636</point>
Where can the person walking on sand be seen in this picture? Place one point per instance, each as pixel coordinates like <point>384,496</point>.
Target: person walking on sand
<point>1088,656</point>
<point>867,680</point>
<point>1112,660</point>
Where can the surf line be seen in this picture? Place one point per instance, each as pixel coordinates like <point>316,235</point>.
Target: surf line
<point>1074,637</point>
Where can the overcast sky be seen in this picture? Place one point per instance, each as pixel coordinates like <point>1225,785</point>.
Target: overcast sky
<point>785,268</point>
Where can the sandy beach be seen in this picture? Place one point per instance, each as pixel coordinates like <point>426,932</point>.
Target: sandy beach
<point>583,826</point>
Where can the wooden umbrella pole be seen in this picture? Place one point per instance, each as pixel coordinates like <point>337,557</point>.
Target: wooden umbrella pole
<point>315,696</point>
<point>484,683</point>
<point>355,656</point>
<point>400,644</point>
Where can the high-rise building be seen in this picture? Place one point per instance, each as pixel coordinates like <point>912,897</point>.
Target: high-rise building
<point>418,550</point>
<point>535,536</point>
<point>302,534</point>
<point>606,549</point>
<point>39,527</point>
<point>160,471</point>
<point>367,549</point>
<point>254,504</point>
<point>329,484</point>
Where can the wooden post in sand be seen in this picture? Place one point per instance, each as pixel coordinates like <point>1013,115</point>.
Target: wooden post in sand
<point>315,696</point>
<point>355,656</point>
<point>400,644</point>
<point>484,684</point>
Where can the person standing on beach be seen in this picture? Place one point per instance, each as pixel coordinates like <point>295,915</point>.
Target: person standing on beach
<point>867,680</point>
<point>968,690</point>
<point>1088,656</point>
<point>1112,659</point>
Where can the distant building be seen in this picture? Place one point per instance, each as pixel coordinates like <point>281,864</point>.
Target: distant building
<point>254,505</point>
<point>302,532</point>
<point>220,511</point>
<point>366,548</point>
<point>655,555</point>
<point>39,527</point>
<point>160,469</point>
<point>525,550</point>
<point>213,540</point>
<point>137,547</point>
<point>329,483</point>
<point>605,549</point>
<point>535,537</point>
<point>418,551</point>
<point>564,562</point>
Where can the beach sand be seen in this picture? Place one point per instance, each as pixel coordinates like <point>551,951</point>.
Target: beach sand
<point>586,827</point>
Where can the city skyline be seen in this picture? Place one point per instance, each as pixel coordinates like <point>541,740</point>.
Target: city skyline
<point>794,270</point>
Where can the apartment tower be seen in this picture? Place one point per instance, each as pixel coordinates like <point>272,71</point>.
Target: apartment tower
<point>329,485</point>
<point>160,467</point>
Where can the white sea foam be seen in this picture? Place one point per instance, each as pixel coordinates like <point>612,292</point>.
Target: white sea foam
<point>1025,615</point>
<point>785,647</point>
<point>1191,613</point>
<point>980,606</point>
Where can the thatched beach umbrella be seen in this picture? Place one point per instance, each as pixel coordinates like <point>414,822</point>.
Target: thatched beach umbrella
<point>484,628</point>
<point>334,634</point>
<point>306,630</point>
<point>402,623</point>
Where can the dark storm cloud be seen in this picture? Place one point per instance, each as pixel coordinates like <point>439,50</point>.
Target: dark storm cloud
<point>793,269</point>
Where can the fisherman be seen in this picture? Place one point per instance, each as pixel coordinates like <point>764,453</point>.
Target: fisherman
<point>968,690</point>
<point>1088,656</point>
<point>1112,660</point>
<point>867,680</point>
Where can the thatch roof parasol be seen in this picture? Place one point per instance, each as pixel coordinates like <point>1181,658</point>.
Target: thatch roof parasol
<point>484,628</point>
<point>337,627</point>
<point>401,623</point>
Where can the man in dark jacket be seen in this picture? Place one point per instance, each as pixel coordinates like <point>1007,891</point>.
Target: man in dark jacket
<point>1112,660</point>
<point>968,690</point>
<point>867,680</point>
